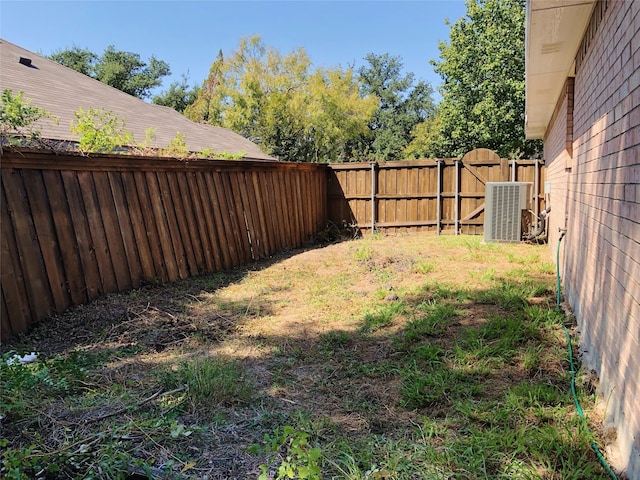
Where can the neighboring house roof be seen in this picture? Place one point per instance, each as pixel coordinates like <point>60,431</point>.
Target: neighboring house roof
<point>554,31</point>
<point>61,91</point>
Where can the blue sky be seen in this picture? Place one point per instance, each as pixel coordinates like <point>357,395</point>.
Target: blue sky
<point>188,34</point>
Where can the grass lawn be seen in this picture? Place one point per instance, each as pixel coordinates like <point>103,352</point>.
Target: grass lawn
<point>406,357</point>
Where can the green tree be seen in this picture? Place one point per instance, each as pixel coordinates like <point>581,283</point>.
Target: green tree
<point>281,103</point>
<point>199,110</point>
<point>179,96</point>
<point>125,71</point>
<point>483,90</point>
<point>403,105</point>
<point>79,59</point>
<point>424,140</point>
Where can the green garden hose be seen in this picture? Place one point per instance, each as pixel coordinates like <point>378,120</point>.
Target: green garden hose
<point>595,448</point>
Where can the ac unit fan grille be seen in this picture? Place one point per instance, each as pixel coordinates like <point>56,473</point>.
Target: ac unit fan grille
<point>504,202</point>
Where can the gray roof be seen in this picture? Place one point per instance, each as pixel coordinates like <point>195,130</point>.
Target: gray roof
<point>61,91</point>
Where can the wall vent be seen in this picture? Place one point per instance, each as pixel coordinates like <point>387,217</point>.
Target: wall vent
<point>504,202</point>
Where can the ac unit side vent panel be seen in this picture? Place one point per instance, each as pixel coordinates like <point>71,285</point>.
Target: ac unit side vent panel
<point>504,202</point>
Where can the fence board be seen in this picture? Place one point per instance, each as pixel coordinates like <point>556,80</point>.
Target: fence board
<point>227,203</point>
<point>138,229</point>
<point>211,216</point>
<point>191,225</point>
<point>248,210</point>
<point>198,223</point>
<point>61,218</point>
<point>82,235</point>
<point>171,213</point>
<point>182,210</point>
<point>154,234</point>
<point>279,207</point>
<point>225,230</point>
<point>244,225</point>
<point>123,218</point>
<point>261,208</point>
<point>294,207</point>
<point>11,278</point>
<point>107,224</point>
<point>27,251</point>
<point>5,328</point>
<point>253,217</point>
<point>160,221</point>
<point>47,239</point>
<point>283,205</point>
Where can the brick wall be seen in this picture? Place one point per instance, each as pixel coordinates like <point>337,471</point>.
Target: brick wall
<point>597,186</point>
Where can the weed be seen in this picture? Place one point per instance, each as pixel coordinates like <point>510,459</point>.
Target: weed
<point>532,358</point>
<point>100,130</point>
<point>363,254</point>
<point>429,354</point>
<point>382,317</point>
<point>437,385</point>
<point>334,339</point>
<point>422,266</point>
<point>291,454</point>
<point>383,369</point>
<point>210,382</point>
<point>507,294</point>
<point>523,260</point>
<point>543,316</point>
<point>433,322</point>
<point>58,375</point>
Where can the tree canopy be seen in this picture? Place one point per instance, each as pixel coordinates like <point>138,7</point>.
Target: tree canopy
<point>403,105</point>
<point>125,71</point>
<point>483,90</point>
<point>179,95</point>
<point>279,101</point>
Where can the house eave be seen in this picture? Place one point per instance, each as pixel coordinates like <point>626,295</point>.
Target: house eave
<point>554,30</point>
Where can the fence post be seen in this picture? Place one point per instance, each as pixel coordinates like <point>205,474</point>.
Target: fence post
<point>536,192</point>
<point>373,197</point>
<point>457,197</point>
<point>439,196</point>
<point>504,169</point>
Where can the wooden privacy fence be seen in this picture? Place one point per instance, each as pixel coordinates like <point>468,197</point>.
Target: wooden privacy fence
<point>442,195</point>
<point>74,228</point>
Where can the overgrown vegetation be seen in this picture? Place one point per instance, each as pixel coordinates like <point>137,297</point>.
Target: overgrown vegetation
<point>100,131</point>
<point>398,358</point>
<point>17,119</point>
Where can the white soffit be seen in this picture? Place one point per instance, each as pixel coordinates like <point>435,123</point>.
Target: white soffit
<point>553,34</point>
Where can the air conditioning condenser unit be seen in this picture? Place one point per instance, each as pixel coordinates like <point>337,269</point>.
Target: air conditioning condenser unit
<point>504,203</point>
